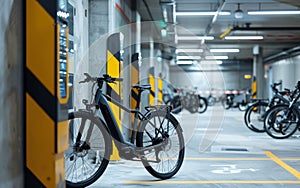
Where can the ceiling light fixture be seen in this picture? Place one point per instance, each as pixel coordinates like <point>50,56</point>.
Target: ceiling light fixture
<point>188,50</point>
<point>184,62</point>
<point>224,50</point>
<point>238,14</point>
<point>204,13</point>
<point>195,38</point>
<point>188,57</point>
<point>244,37</point>
<point>211,62</point>
<point>217,57</point>
<point>273,12</point>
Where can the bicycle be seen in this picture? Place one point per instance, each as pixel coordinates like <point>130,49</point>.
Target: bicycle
<point>231,101</point>
<point>283,120</point>
<point>157,141</point>
<point>172,98</point>
<point>188,100</point>
<point>255,113</point>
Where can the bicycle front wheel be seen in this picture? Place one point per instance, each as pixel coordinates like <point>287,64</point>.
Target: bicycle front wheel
<point>163,133</point>
<point>254,116</point>
<point>89,151</point>
<point>281,121</point>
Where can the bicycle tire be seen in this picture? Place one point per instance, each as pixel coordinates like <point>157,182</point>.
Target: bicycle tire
<point>211,101</point>
<point>94,157</point>
<point>254,116</point>
<point>243,106</point>
<point>149,135</point>
<point>202,105</point>
<point>176,104</point>
<point>225,104</point>
<point>274,125</point>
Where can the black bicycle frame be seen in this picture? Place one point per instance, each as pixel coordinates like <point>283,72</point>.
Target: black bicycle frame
<point>280,97</point>
<point>101,100</point>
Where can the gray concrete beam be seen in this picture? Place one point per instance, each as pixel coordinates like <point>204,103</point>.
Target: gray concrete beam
<point>11,63</point>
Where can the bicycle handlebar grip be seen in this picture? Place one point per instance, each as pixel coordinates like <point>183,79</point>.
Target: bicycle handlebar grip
<point>118,79</point>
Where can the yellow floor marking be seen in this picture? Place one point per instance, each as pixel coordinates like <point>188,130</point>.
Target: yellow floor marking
<point>216,182</point>
<point>283,164</point>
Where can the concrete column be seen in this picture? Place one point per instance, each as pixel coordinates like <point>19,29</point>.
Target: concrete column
<point>258,71</point>
<point>11,124</point>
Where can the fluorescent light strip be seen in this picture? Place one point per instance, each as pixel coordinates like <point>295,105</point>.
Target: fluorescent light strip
<point>273,12</point>
<point>224,50</point>
<point>204,13</point>
<point>195,38</point>
<point>244,37</point>
<point>188,57</point>
<point>184,62</point>
<point>216,57</point>
<point>211,62</point>
<point>188,50</point>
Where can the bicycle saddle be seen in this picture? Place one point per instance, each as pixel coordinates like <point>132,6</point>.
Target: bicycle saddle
<point>142,87</point>
<point>285,92</point>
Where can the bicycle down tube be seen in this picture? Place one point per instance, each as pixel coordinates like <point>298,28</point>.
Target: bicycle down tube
<point>102,101</point>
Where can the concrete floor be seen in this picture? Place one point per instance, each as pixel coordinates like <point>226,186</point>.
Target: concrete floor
<point>221,152</point>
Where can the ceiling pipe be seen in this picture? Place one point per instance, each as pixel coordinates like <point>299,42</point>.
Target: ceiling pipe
<point>248,28</point>
<point>283,54</point>
<point>220,7</point>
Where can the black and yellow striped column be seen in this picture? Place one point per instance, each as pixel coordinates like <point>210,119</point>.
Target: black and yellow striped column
<point>134,69</point>
<point>160,90</point>
<point>151,78</point>
<point>134,99</point>
<point>46,126</point>
<point>114,90</point>
<point>254,88</point>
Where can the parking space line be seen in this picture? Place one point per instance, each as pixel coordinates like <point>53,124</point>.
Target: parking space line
<point>215,182</point>
<point>290,159</point>
<point>283,164</point>
<point>225,159</point>
<point>237,159</point>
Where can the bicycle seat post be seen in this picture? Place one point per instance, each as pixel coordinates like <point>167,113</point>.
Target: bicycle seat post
<point>139,89</point>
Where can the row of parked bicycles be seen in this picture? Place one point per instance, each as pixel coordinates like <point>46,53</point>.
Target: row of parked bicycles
<point>278,117</point>
<point>181,99</point>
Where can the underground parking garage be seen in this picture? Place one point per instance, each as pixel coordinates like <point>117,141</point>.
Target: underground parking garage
<point>158,93</point>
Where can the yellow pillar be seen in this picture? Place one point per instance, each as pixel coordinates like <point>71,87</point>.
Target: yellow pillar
<point>46,95</point>
<point>114,90</point>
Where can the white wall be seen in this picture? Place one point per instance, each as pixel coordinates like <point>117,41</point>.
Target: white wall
<point>206,80</point>
<point>287,70</point>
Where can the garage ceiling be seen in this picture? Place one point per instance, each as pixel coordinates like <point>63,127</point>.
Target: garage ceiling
<point>280,32</point>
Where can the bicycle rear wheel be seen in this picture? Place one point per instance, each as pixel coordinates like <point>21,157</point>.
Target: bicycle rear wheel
<point>161,129</point>
<point>281,121</point>
<point>254,116</point>
<point>89,151</point>
<point>202,104</point>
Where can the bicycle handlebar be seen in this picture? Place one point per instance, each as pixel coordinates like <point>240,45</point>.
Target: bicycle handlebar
<point>105,78</point>
<point>274,86</point>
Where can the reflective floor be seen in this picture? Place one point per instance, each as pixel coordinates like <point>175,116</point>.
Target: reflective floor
<point>221,152</point>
